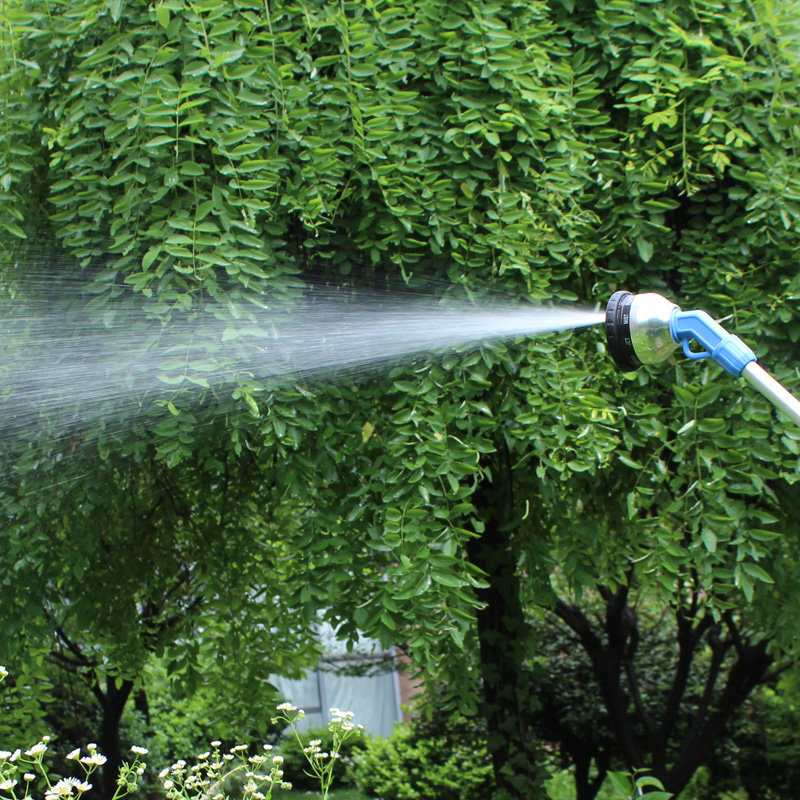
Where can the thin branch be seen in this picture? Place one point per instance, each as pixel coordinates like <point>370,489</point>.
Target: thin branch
<point>689,637</point>
<point>750,669</point>
<point>733,629</point>
<point>75,649</point>
<point>606,667</point>
<point>772,675</point>
<point>576,620</point>
<point>633,680</point>
<point>719,649</point>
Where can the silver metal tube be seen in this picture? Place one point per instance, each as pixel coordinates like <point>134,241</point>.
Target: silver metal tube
<point>760,379</point>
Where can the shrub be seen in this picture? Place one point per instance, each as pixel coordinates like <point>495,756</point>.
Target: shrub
<point>411,766</point>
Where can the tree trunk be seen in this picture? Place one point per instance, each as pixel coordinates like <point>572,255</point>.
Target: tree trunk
<point>586,787</point>
<point>504,637</point>
<point>113,701</point>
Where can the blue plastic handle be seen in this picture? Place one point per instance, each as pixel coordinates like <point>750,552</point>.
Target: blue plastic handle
<point>729,351</point>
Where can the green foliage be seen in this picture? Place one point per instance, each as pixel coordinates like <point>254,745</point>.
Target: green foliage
<point>157,549</point>
<point>627,786</point>
<point>554,153</point>
<point>172,722</point>
<point>25,699</point>
<point>411,765</point>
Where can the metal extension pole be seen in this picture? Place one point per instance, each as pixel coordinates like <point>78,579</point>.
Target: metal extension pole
<point>760,379</point>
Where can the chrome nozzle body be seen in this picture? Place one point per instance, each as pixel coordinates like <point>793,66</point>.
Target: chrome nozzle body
<point>650,317</point>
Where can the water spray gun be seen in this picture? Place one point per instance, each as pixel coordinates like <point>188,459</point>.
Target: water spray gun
<point>646,329</point>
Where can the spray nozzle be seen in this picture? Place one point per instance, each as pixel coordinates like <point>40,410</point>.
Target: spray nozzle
<point>646,329</point>
<point>638,329</point>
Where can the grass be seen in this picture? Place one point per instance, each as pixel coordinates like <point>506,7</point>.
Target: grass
<point>560,787</point>
<point>338,794</point>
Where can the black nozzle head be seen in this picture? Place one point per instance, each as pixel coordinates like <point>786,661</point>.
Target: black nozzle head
<point>618,331</point>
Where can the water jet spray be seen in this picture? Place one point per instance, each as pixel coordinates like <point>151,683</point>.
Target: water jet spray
<point>646,329</point>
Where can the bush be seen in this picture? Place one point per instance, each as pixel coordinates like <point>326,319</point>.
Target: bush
<point>411,766</point>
